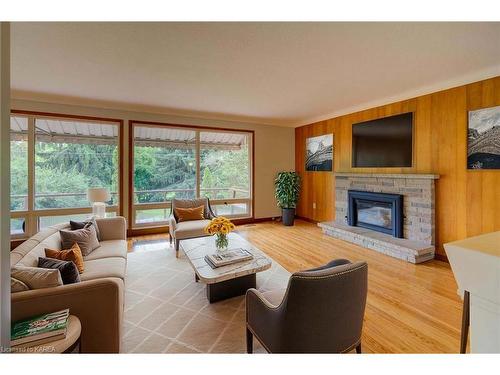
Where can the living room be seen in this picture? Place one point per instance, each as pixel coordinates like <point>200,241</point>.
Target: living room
<point>250,187</point>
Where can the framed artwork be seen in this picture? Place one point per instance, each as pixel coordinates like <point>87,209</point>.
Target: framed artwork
<point>483,139</point>
<point>319,153</point>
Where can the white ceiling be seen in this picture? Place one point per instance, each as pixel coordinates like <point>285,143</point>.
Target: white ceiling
<point>273,73</point>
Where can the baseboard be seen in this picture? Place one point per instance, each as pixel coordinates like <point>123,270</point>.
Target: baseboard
<point>307,219</point>
<point>146,231</point>
<point>254,220</point>
<point>441,257</point>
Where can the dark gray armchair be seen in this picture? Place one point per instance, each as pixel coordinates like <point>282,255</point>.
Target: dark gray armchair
<point>188,229</point>
<point>321,312</point>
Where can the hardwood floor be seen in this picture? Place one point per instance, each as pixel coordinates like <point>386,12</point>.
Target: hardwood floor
<point>410,308</point>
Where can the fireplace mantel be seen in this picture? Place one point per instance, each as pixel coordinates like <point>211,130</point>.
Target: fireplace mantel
<point>409,176</point>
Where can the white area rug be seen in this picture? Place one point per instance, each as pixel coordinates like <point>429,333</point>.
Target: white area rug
<point>166,311</point>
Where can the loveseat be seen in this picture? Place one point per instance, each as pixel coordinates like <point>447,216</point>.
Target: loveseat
<point>98,300</point>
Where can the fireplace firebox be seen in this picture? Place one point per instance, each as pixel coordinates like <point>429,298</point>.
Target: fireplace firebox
<point>381,212</point>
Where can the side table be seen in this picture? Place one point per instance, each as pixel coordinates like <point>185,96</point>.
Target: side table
<point>65,345</point>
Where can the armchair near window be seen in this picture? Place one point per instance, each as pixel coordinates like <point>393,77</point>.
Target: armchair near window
<point>321,312</point>
<point>188,229</point>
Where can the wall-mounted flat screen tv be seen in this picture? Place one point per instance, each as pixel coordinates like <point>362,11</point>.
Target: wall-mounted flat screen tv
<point>385,142</point>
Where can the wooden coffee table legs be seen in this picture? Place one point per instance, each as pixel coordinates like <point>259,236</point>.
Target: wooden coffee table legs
<point>230,288</point>
<point>464,334</point>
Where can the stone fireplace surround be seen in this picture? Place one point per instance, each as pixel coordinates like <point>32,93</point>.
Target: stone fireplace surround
<point>418,209</point>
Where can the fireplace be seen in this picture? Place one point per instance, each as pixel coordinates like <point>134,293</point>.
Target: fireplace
<point>381,212</point>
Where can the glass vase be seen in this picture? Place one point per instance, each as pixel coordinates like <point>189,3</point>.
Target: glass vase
<point>221,242</point>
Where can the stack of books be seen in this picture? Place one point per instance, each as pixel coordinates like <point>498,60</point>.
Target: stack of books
<point>228,257</point>
<point>39,330</point>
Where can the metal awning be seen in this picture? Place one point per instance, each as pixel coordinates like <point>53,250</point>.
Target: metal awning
<point>147,136</point>
<point>67,131</point>
<point>18,128</point>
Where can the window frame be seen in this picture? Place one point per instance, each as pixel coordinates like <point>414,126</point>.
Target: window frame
<point>125,187</point>
<point>32,215</point>
<point>133,207</point>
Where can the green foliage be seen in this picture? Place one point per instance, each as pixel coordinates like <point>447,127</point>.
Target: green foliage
<point>159,168</point>
<point>208,180</point>
<point>62,168</point>
<point>18,173</point>
<point>287,186</point>
<point>225,169</point>
<point>60,181</point>
<point>95,162</point>
<point>72,168</point>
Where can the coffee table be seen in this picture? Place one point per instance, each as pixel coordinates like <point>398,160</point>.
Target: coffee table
<point>227,281</point>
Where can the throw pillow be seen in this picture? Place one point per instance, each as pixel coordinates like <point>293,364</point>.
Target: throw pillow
<point>85,224</point>
<point>37,278</point>
<point>17,285</point>
<point>188,214</point>
<point>68,270</point>
<point>86,239</point>
<point>74,255</point>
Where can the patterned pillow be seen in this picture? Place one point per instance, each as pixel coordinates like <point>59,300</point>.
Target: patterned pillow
<point>74,255</point>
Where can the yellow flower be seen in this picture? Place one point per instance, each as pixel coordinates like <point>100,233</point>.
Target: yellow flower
<point>219,225</point>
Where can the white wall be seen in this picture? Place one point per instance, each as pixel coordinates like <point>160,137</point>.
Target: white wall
<point>4,185</point>
<point>274,145</point>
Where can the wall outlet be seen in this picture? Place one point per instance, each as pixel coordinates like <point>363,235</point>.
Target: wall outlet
<point>314,205</point>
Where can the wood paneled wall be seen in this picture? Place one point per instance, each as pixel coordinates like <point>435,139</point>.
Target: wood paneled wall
<point>467,201</point>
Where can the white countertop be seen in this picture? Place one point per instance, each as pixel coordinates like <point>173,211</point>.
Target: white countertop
<point>488,243</point>
<point>475,263</point>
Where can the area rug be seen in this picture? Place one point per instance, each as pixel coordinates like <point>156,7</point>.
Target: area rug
<point>166,311</point>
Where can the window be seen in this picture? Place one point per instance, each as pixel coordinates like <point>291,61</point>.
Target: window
<point>225,172</point>
<point>54,160</point>
<point>164,168</point>
<point>19,201</point>
<point>47,221</point>
<point>154,215</point>
<point>17,226</point>
<point>19,163</point>
<point>171,162</point>
<point>70,157</point>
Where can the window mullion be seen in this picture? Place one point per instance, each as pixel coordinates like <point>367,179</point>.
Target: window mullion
<point>197,161</point>
<point>31,219</point>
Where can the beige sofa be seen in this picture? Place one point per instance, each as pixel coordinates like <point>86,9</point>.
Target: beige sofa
<point>97,300</point>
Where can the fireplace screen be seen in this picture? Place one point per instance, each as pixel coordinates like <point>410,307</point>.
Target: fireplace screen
<point>381,212</point>
<point>374,213</point>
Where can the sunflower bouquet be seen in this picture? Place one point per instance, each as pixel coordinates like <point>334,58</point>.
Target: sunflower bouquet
<point>220,227</point>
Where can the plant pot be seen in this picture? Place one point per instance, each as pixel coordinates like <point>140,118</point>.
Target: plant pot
<point>288,216</point>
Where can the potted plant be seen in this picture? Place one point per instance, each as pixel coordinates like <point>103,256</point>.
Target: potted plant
<point>287,186</point>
